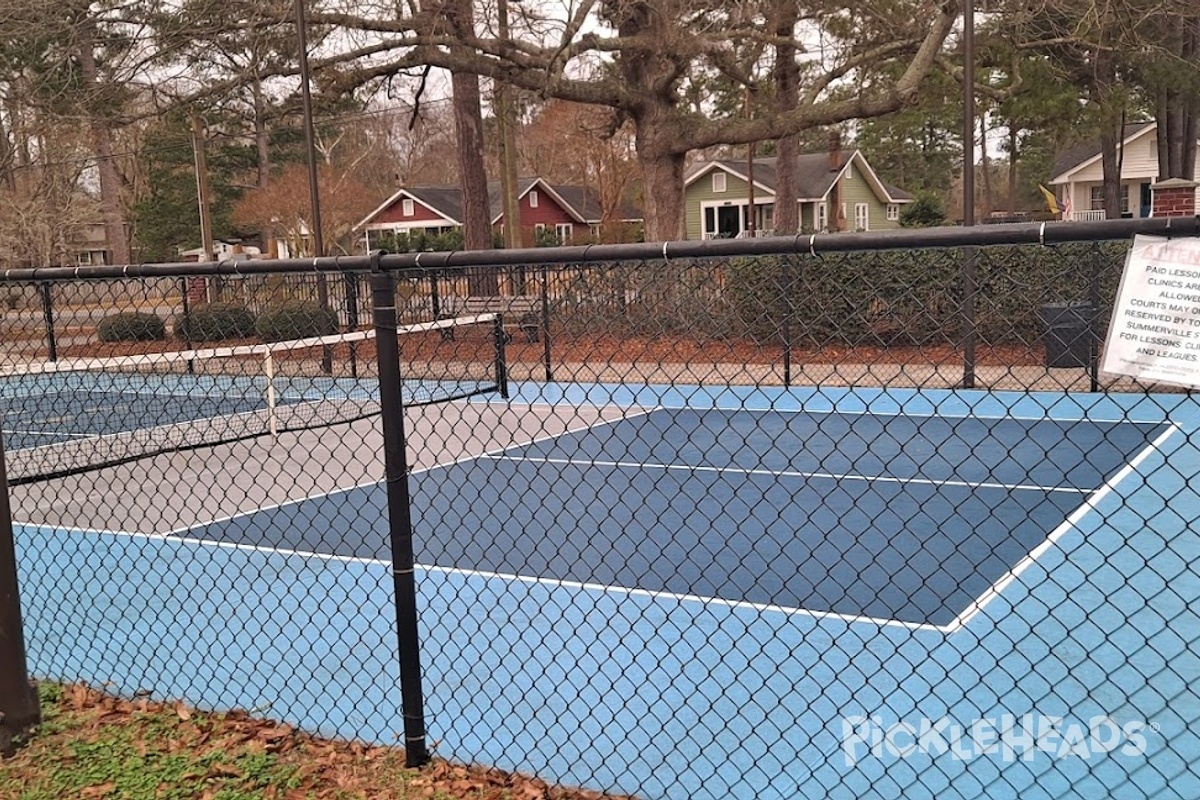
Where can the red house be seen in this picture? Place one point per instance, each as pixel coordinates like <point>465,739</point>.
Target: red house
<point>559,213</point>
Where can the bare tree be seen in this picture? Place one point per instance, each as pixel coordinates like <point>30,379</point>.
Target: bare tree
<point>637,57</point>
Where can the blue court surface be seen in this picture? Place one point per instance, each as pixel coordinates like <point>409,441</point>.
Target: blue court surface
<point>734,593</point>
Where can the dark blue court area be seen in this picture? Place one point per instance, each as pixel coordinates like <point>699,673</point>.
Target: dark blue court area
<point>893,518</point>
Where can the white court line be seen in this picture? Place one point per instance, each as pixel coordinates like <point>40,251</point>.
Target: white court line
<point>680,597</point>
<point>372,482</point>
<point>924,414</point>
<point>552,583</point>
<point>1070,522</point>
<point>796,474</point>
<point>8,431</point>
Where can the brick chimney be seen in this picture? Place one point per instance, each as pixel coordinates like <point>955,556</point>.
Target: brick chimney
<point>1174,197</point>
<point>835,151</point>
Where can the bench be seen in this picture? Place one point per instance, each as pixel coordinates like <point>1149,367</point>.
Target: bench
<point>521,311</point>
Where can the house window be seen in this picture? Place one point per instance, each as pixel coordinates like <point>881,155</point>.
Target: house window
<point>533,199</point>
<point>563,231</point>
<point>893,211</point>
<point>718,181</point>
<point>849,172</point>
<point>1097,199</point>
<point>822,217</point>
<point>862,217</point>
<point>406,207</point>
<point>84,258</point>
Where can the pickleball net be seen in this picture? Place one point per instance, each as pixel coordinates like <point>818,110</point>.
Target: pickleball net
<point>75,415</point>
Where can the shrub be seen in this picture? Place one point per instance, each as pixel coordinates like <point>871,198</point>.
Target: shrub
<point>215,321</point>
<point>131,327</point>
<point>924,212</point>
<point>296,320</point>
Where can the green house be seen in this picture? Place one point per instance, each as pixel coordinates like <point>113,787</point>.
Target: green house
<point>839,191</point>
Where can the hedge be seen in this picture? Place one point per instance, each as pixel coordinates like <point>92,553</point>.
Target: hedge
<point>131,326</point>
<point>215,321</point>
<point>297,319</point>
<point>881,297</point>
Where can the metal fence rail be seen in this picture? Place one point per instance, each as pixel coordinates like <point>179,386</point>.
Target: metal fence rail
<point>812,517</point>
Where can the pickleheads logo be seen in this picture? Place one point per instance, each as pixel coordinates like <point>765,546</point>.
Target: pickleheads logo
<point>1005,736</point>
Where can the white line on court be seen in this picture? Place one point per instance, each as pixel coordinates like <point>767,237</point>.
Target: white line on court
<point>970,612</point>
<point>8,431</point>
<point>372,482</point>
<point>553,583</point>
<point>797,474</point>
<point>752,405</point>
<point>680,597</point>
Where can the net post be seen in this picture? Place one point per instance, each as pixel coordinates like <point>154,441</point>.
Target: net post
<point>184,288</point>
<point>789,310</point>
<point>500,355</point>
<point>272,400</point>
<point>19,707</point>
<point>383,291</point>
<point>1093,333</point>
<point>969,290</point>
<point>545,322</point>
<point>350,281</point>
<point>48,316</point>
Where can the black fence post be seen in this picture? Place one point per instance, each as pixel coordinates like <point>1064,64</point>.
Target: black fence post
<point>546,349</point>
<point>19,709</point>
<point>435,302</point>
<point>1094,318</point>
<point>383,289</point>
<point>48,316</point>
<point>789,311</point>
<point>323,301</point>
<point>184,287</point>
<point>969,289</point>
<point>350,281</point>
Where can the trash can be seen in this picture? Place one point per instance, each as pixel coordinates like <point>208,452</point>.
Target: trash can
<point>1068,333</point>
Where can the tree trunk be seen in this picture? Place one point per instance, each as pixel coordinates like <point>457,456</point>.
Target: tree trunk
<point>477,223</point>
<point>1013,144</point>
<point>1109,139</point>
<point>985,164</point>
<point>106,166</point>
<point>787,90</point>
<point>262,143</point>
<point>1177,111</point>
<point>1110,121</point>
<point>662,181</point>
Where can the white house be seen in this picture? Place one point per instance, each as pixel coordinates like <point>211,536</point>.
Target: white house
<point>1078,178</point>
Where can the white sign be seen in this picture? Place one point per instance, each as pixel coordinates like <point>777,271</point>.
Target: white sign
<point>1155,330</point>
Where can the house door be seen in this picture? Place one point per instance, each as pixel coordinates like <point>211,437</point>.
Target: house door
<point>729,222</point>
<point>1147,201</point>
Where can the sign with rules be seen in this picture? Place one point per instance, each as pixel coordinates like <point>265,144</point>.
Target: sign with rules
<point>1154,335</point>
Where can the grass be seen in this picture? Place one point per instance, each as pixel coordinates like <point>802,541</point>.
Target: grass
<point>94,746</point>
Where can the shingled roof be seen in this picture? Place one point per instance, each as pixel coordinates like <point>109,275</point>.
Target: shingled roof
<point>1073,157</point>
<point>814,178</point>
<point>582,201</point>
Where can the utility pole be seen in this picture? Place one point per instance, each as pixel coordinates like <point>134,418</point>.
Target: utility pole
<point>506,120</point>
<point>969,284</point>
<point>314,196</point>
<point>751,223</point>
<point>203,196</point>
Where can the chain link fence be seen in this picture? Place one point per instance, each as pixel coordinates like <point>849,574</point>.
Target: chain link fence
<point>839,516</point>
